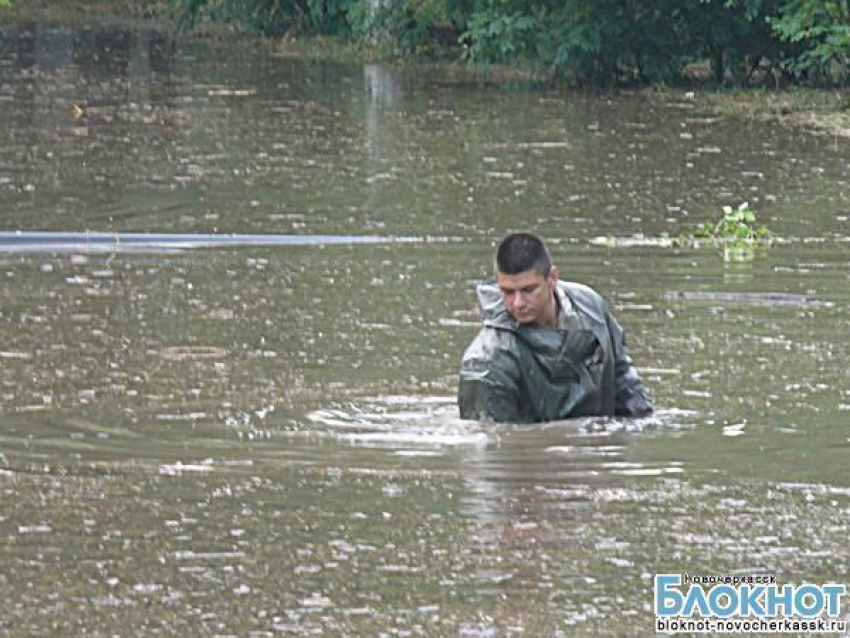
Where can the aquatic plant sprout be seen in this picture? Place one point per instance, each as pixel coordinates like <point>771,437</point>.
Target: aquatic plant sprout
<point>737,232</point>
<point>735,226</point>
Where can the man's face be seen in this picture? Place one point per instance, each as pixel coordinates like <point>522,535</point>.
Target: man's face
<point>528,296</point>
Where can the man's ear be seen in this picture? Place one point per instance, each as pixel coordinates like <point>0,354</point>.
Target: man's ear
<point>554,274</point>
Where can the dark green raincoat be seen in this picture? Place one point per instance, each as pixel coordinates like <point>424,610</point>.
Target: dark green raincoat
<point>522,373</point>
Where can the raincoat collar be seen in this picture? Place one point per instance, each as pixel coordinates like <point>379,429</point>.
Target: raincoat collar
<point>494,314</point>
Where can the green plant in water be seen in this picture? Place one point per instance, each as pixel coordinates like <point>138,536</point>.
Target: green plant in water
<point>736,226</point>
<point>738,232</point>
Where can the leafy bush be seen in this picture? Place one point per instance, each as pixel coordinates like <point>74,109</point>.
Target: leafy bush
<point>267,17</point>
<point>822,30</point>
<point>494,36</point>
<point>602,41</point>
<point>411,26</point>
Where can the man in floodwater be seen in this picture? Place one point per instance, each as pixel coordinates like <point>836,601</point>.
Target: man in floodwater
<point>549,349</point>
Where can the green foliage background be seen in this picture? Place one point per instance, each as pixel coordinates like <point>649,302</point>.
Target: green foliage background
<point>604,41</point>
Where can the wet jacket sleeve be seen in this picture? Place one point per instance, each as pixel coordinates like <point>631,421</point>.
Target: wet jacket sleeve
<point>489,389</point>
<point>631,397</point>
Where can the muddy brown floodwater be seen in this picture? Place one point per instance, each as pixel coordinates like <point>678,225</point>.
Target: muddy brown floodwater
<point>259,437</point>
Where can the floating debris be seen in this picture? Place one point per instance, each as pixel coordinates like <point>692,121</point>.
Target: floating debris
<point>736,429</point>
<point>176,469</point>
<point>24,356</point>
<point>192,555</point>
<point>230,92</point>
<point>181,353</point>
<point>34,529</point>
<point>317,601</point>
<point>770,298</point>
<point>633,242</point>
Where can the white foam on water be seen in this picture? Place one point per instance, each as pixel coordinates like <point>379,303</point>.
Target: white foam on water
<point>415,423</point>
<point>647,471</point>
<point>400,421</point>
<point>423,438</point>
<point>404,399</point>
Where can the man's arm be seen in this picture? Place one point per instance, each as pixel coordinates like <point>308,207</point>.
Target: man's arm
<point>488,388</point>
<point>631,397</point>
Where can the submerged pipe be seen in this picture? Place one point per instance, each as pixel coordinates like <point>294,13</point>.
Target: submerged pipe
<point>47,241</point>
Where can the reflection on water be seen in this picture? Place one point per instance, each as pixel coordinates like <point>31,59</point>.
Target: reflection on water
<point>261,436</point>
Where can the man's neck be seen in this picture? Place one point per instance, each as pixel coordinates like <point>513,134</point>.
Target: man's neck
<point>554,309</point>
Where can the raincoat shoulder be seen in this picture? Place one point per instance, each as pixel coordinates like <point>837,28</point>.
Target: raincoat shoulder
<point>491,384</point>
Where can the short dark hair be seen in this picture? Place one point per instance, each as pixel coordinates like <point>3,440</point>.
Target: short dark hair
<point>521,252</point>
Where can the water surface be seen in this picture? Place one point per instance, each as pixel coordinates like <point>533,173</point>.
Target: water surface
<point>260,435</point>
